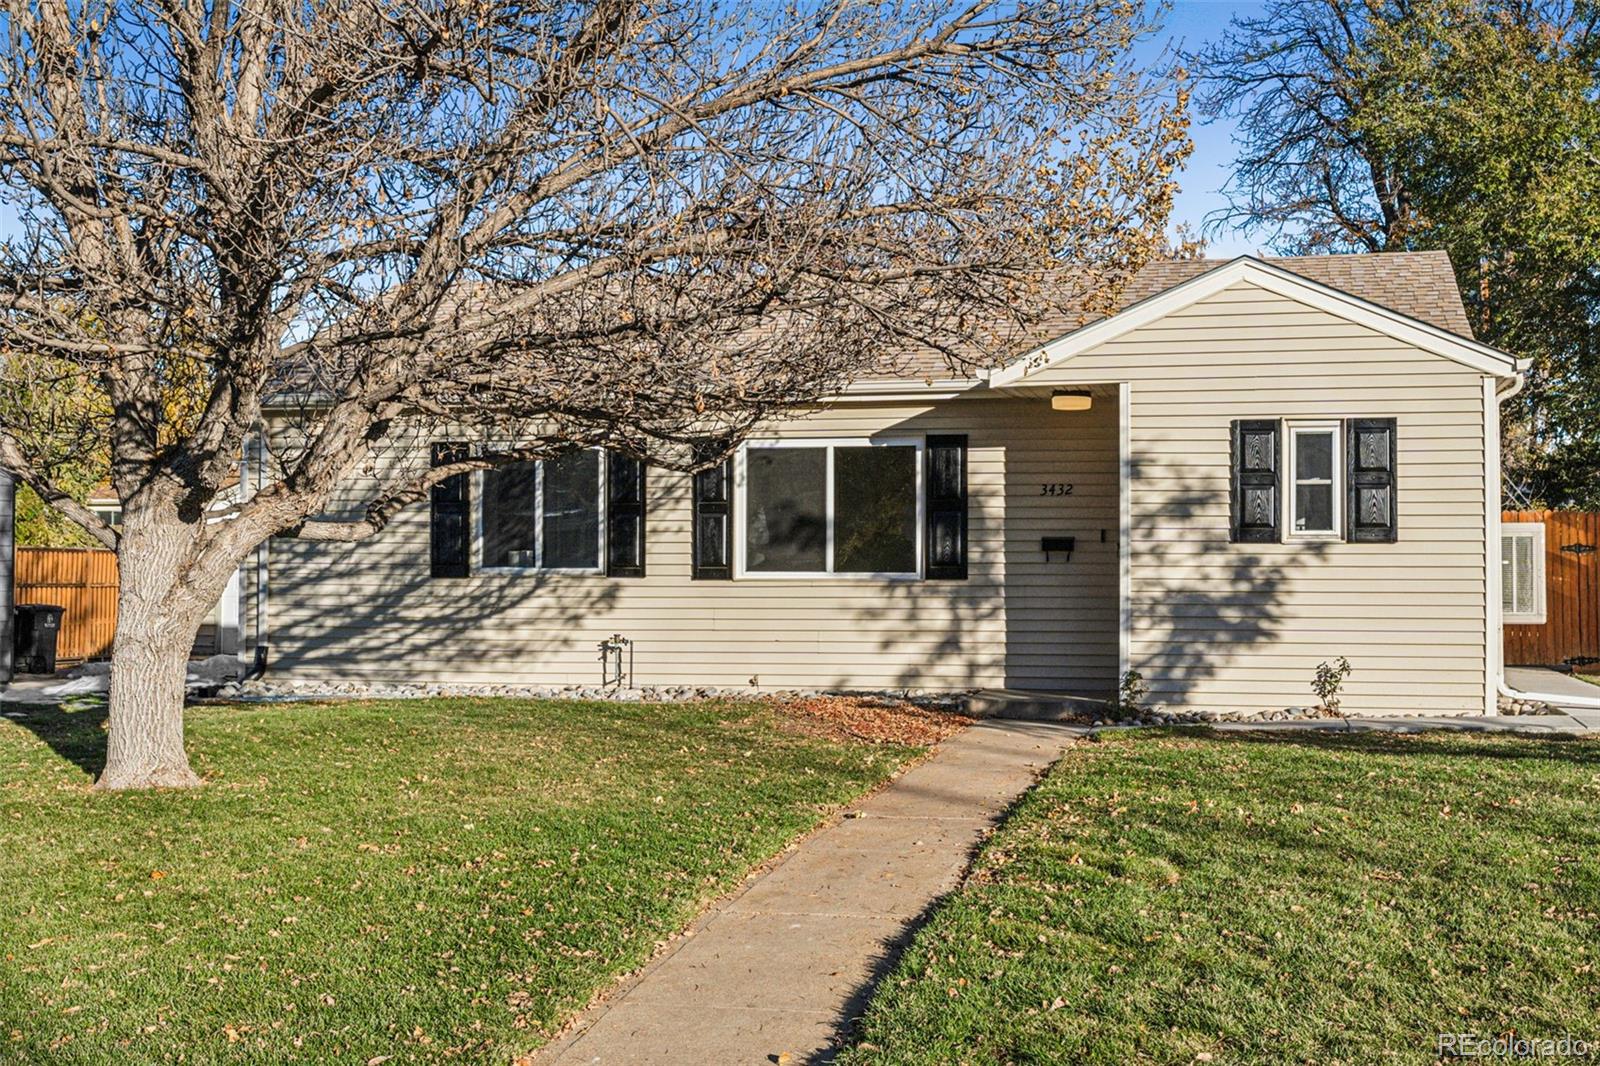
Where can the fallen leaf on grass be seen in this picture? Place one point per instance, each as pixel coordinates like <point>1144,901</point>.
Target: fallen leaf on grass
<point>878,719</point>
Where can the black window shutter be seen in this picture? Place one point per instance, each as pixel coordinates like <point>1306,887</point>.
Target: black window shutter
<point>450,526</point>
<point>1370,506</point>
<point>946,460</point>
<point>1255,504</point>
<point>625,503</point>
<point>713,523</point>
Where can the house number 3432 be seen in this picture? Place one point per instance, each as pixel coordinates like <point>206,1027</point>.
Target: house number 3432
<point>1056,488</point>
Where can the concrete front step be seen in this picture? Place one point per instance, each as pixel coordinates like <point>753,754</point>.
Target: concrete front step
<point>1024,705</point>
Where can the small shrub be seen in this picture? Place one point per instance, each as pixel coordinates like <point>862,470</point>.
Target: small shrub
<point>1131,691</point>
<point>1330,678</point>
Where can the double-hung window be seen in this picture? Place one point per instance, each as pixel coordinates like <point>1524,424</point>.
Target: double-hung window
<point>1522,573</point>
<point>830,507</point>
<point>1312,504</point>
<point>545,515</point>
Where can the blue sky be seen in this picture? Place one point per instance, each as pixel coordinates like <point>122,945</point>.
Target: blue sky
<point>1191,23</point>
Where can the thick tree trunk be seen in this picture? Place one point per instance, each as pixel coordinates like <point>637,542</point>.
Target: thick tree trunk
<point>145,745</point>
<point>157,615</point>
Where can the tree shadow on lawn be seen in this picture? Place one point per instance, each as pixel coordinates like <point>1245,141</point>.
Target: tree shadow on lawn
<point>74,729</point>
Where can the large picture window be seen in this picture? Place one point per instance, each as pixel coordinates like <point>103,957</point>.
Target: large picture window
<point>837,507</point>
<point>543,516</point>
<point>1315,492</point>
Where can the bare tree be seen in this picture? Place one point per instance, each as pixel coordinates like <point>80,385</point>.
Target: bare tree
<point>633,225</point>
<point>1295,77</point>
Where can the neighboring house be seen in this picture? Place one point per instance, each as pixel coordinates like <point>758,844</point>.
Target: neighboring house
<point>1253,467</point>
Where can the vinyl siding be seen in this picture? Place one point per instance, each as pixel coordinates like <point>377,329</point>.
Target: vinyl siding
<point>370,610</point>
<point>1242,626</point>
<point>1214,625</point>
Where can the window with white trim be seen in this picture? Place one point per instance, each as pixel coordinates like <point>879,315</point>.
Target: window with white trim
<point>1315,490</point>
<point>543,516</point>
<point>1522,573</point>
<point>830,507</point>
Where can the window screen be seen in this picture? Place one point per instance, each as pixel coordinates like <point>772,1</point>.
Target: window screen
<point>875,509</point>
<point>786,522</point>
<point>1313,499</point>
<point>545,518</point>
<point>510,515</point>
<point>572,511</point>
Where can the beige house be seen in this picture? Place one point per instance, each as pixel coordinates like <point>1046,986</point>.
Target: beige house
<point>1253,467</point>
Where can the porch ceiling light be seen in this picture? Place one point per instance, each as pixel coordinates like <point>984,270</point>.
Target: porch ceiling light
<point>1067,400</point>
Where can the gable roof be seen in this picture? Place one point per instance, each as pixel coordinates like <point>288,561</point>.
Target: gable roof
<point>1409,296</point>
<point>1419,285</point>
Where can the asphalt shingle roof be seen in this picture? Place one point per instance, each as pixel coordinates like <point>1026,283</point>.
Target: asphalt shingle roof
<point>1419,285</point>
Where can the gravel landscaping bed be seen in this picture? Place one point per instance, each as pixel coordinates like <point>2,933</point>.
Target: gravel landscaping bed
<point>270,689</point>
<point>1159,717</point>
<point>208,680</point>
<point>1511,706</point>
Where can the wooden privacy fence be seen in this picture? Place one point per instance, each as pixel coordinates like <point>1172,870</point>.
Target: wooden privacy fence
<point>84,581</point>
<point>1571,629</point>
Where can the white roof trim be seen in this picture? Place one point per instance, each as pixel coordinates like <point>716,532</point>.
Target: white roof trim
<point>909,389</point>
<point>1423,335</point>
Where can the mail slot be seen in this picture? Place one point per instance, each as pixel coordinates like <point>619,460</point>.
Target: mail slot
<point>1057,546</point>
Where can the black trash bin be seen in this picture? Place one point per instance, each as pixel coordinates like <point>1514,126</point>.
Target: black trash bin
<point>38,626</point>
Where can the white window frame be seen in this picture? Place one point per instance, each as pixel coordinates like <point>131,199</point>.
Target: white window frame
<point>1535,532</point>
<point>480,506</point>
<point>1292,428</point>
<point>741,499</point>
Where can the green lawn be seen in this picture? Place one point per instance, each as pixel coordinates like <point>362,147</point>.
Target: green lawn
<point>1226,898</point>
<point>432,881</point>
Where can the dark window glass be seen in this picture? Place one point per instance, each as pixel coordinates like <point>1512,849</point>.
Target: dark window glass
<point>572,511</point>
<point>1313,491</point>
<point>1313,455</point>
<point>509,522</point>
<point>875,510</point>
<point>785,517</point>
<point>1313,508</point>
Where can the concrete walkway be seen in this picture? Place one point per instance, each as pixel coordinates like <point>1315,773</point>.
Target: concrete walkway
<point>1558,684</point>
<point>786,966</point>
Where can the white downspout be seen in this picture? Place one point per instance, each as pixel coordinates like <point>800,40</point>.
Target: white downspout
<point>253,479</point>
<point>1544,697</point>
<point>1501,687</point>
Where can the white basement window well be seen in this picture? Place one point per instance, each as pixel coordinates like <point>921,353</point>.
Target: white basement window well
<point>546,516</point>
<point>838,508</point>
<point>1315,490</point>
<point>1522,573</point>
